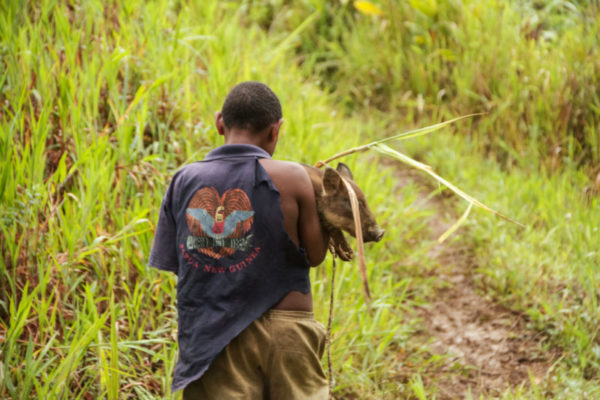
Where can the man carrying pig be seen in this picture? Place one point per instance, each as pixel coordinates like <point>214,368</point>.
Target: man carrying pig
<point>240,231</point>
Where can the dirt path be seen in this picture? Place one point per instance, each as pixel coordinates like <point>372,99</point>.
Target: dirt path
<point>488,348</point>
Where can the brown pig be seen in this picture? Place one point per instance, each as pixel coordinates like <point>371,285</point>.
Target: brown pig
<point>335,212</point>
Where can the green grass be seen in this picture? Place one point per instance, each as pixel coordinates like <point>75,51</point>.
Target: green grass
<point>532,66</point>
<point>101,102</point>
<point>550,269</point>
<point>547,270</point>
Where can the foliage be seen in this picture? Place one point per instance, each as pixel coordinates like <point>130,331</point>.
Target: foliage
<point>532,66</point>
<point>102,101</point>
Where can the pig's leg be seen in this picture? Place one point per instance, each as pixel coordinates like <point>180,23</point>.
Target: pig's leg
<point>342,248</point>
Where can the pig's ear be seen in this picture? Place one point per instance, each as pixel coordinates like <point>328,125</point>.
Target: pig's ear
<point>331,180</point>
<point>344,171</point>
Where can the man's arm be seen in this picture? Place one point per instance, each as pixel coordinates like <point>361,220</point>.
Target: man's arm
<point>299,208</point>
<point>311,234</point>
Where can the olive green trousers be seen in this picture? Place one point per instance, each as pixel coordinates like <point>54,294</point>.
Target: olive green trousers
<point>277,357</point>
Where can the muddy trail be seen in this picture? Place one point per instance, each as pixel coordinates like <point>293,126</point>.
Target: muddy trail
<point>486,347</point>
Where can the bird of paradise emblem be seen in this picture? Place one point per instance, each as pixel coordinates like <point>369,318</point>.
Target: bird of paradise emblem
<point>219,225</point>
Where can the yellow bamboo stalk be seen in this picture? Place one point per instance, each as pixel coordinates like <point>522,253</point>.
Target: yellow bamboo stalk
<point>401,136</point>
<point>362,264</point>
<point>379,146</point>
<point>384,149</point>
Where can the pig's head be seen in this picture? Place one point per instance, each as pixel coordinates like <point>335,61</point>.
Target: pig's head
<point>336,208</point>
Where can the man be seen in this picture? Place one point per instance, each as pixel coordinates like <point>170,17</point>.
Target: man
<point>240,230</point>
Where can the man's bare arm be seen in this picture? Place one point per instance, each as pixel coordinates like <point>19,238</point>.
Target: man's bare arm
<point>312,235</point>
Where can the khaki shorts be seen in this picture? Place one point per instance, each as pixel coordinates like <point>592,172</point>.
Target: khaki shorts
<point>277,357</point>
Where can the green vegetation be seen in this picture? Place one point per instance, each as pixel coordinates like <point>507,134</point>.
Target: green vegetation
<point>101,102</point>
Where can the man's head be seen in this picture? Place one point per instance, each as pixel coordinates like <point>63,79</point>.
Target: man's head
<point>251,112</point>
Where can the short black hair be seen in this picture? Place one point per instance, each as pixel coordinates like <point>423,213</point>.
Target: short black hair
<point>251,105</point>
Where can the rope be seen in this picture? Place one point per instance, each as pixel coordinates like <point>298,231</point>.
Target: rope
<point>329,324</point>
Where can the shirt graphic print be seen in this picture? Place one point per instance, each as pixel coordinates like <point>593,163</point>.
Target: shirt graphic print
<point>219,225</point>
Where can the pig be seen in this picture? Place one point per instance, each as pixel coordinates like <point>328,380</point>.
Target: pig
<point>335,212</point>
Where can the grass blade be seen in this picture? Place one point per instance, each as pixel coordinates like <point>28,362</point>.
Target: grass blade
<point>279,50</point>
<point>56,383</point>
<point>456,225</point>
<point>386,150</point>
<point>401,136</point>
<point>423,131</point>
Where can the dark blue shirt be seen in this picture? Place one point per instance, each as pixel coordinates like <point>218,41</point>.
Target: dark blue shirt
<point>220,229</point>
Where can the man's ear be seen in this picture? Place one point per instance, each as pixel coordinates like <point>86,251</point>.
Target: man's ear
<point>274,134</point>
<point>331,180</point>
<point>219,123</point>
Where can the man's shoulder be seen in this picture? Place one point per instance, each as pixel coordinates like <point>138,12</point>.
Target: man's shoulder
<point>280,163</point>
<point>288,176</point>
<point>284,168</point>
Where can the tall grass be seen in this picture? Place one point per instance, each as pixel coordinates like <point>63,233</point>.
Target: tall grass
<point>532,66</point>
<point>100,102</point>
<point>547,270</point>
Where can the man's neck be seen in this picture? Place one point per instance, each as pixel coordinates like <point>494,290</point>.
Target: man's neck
<point>240,136</point>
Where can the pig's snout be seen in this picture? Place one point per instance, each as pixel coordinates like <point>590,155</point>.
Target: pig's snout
<point>374,235</point>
